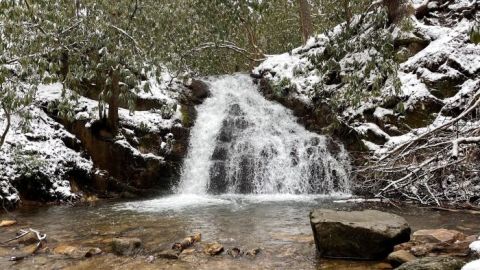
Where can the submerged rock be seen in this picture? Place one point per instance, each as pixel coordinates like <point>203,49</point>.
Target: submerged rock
<point>438,242</point>
<point>171,254</point>
<point>433,263</point>
<point>7,223</point>
<point>437,236</point>
<point>235,252</point>
<point>253,252</point>
<point>366,234</point>
<point>400,257</point>
<point>126,246</point>
<point>213,249</point>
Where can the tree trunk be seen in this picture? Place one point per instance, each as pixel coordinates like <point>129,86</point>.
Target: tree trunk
<point>347,12</point>
<point>306,25</point>
<point>113,102</point>
<point>397,10</point>
<point>7,127</point>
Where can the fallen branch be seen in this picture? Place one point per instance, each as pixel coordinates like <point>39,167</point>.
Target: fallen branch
<point>441,127</point>
<point>459,141</point>
<point>41,238</point>
<point>394,183</point>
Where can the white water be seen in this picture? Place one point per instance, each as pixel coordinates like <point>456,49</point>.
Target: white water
<point>265,150</point>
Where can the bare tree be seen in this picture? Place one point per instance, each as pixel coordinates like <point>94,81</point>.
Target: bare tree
<point>306,25</point>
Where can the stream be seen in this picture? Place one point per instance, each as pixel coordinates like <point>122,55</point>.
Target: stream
<point>277,224</point>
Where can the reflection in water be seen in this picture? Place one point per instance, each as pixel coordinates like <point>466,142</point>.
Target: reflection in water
<point>278,224</point>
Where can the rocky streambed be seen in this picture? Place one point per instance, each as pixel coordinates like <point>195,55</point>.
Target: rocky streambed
<point>237,232</point>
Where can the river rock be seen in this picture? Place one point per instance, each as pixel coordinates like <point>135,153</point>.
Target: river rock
<point>213,249</point>
<point>235,252</point>
<point>171,254</point>
<point>253,252</point>
<point>437,236</point>
<point>400,257</point>
<point>65,250</point>
<point>126,246</point>
<point>28,239</point>
<point>6,223</point>
<point>433,263</point>
<point>368,234</point>
<point>93,252</point>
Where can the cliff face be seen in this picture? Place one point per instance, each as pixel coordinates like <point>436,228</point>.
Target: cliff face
<point>436,79</point>
<point>63,158</point>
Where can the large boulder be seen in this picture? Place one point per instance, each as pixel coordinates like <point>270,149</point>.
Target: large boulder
<point>368,234</point>
<point>433,263</point>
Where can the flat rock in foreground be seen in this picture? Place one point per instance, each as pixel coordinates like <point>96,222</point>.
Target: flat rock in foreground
<point>367,235</point>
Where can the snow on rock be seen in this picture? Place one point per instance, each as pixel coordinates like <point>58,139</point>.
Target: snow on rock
<point>381,112</point>
<point>475,265</point>
<point>475,247</point>
<point>42,155</point>
<point>85,108</point>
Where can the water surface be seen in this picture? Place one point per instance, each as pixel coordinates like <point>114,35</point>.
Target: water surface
<point>278,224</point>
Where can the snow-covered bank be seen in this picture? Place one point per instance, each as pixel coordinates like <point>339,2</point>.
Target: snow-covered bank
<point>39,163</point>
<point>43,156</point>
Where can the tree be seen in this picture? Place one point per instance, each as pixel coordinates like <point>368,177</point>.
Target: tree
<point>24,45</point>
<point>15,98</point>
<point>305,19</point>
<point>397,9</point>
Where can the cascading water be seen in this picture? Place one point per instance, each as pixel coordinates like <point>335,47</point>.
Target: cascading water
<point>243,143</point>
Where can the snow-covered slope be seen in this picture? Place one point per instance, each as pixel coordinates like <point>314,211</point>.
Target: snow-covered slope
<point>42,157</point>
<point>39,164</point>
<point>444,72</point>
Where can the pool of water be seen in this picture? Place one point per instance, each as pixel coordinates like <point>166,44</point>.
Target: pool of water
<point>277,224</point>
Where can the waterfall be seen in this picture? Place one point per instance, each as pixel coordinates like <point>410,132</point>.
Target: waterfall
<point>243,143</point>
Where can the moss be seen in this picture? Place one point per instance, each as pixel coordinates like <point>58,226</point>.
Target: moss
<point>186,117</point>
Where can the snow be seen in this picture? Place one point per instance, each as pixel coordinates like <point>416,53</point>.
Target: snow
<point>43,149</point>
<point>461,4</point>
<point>88,109</point>
<point>160,88</point>
<point>366,127</point>
<point>475,265</point>
<point>475,246</point>
<point>381,113</point>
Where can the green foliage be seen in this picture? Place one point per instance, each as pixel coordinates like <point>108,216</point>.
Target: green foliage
<point>406,25</point>
<point>143,128</point>
<point>329,13</point>
<point>283,87</point>
<point>475,34</point>
<point>168,110</point>
<point>370,66</point>
<point>29,163</point>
